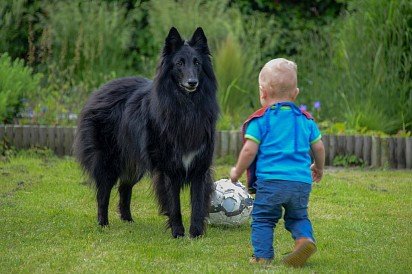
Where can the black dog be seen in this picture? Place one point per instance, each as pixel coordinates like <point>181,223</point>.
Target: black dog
<point>165,126</point>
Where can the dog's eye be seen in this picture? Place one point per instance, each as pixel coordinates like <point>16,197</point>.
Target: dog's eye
<point>179,63</point>
<point>196,63</point>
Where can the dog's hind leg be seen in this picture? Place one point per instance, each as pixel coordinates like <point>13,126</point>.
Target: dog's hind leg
<point>168,194</point>
<point>105,178</point>
<point>103,197</point>
<point>125,195</point>
<point>200,193</point>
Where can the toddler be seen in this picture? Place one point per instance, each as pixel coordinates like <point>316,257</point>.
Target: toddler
<point>278,140</point>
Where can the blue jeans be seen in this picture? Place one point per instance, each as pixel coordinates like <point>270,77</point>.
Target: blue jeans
<point>270,197</point>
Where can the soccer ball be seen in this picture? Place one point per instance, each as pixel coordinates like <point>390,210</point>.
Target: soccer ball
<point>231,204</point>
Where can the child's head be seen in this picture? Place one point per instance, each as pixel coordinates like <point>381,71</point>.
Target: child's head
<point>278,81</point>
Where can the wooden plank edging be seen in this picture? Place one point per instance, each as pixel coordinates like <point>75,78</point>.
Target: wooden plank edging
<point>375,151</point>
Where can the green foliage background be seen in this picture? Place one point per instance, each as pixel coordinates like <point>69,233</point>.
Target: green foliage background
<point>16,83</point>
<point>353,57</point>
<point>360,67</point>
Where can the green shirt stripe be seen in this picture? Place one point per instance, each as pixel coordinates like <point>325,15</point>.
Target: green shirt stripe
<point>317,139</point>
<point>250,137</point>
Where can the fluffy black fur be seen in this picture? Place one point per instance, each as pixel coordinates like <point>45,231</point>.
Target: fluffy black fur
<point>166,127</point>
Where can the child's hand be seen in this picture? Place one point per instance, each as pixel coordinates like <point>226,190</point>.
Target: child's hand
<point>246,157</point>
<point>234,175</point>
<point>317,173</point>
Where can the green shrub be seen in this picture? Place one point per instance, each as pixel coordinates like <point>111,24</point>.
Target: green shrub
<point>347,161</point>
<point>360,68</point>
<point>16,84</point>
<point>6,150</point>
<point>17,18</point>
<point>230,64</point>
<point>83,44</point>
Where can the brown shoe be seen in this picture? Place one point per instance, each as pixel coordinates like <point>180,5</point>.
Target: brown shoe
<point>255,260</point>
<point>304,248</point>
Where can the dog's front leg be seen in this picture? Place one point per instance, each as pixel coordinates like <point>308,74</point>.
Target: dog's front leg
<point>175,214</point>
<point>168,195</point>
<point>200,192</point>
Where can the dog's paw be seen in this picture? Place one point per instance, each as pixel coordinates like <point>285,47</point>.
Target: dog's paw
<point>127,217</point>
<point>103,223</point>
<point>178,231</point>
<point>196,232</point>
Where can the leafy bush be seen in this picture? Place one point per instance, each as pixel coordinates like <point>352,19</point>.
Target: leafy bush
<point>17,82</point>
<point>347,161</point>
<point>83,44</point>
<point>6,151</point>
<point>360,68</point>
<point>233,74</point>
<point>16,19</point>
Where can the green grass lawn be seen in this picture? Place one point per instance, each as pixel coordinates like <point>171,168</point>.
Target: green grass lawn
<point>362,221</point>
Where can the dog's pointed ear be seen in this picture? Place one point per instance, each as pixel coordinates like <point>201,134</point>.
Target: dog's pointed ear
<point>173,41</point>
<point>199,41</point>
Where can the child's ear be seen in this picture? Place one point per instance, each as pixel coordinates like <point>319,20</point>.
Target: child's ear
<point>296,93</point>
<point>262,92</point>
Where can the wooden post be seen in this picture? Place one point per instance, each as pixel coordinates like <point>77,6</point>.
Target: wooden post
<point>2,132</point>
<point>400,152</point>
<point>240,142</point>
<point>341,149</point>
<point>325,139</point>
<point>216,152</point>
<point>359,146</point>
<point>68,140</point>
<point>408,153</point>
<point>350,145</point>
<point>43,136</point>
<point>376,151</point>
<point>9,135</point>
<point>233,142</point>
<point>385,152</point>
<point>18,137</point>
<point>367,147</point>
<point>59,141</point>
<point>225,143</point>
<point>239,147</point>
<point>26,137</point>
<point>333,147</point>
<point>51,138</point>
<point>34,136</point>
<point>393,163</point>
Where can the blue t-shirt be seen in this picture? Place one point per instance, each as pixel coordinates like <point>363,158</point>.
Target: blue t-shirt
<point>284,136</point>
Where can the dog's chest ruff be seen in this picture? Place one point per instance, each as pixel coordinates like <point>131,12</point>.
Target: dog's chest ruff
<point>187,158</point>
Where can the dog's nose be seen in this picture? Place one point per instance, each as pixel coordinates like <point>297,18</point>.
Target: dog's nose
<point>192,83</point>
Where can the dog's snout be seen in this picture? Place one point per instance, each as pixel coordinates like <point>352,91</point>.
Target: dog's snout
<point>192,83</point>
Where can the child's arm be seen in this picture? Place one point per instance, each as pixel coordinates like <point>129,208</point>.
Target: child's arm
<point>246,157</point>
<point>319,154</point>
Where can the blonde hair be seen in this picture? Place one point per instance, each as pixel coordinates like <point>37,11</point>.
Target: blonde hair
<point>278,77</point>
